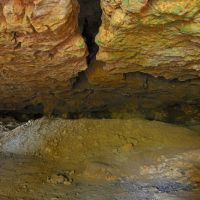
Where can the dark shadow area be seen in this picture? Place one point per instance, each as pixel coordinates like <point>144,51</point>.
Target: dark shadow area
<point>89,23</point>
<point>27,113</point>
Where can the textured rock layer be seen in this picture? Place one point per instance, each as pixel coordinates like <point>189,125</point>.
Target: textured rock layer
<point>148,59</point>
<point>40,50</point>
<point>158,37</point>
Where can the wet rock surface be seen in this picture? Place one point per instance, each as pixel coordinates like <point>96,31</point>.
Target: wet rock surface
<point>162,164</point>
<point>93,159</point>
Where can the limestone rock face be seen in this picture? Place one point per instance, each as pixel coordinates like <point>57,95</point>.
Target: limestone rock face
<point>157,37</point>
<point>41,50</point>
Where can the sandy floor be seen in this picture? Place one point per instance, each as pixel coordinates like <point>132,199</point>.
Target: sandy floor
<point>99,160</point>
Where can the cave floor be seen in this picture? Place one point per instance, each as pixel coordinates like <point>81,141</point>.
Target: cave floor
<point>129,171</point>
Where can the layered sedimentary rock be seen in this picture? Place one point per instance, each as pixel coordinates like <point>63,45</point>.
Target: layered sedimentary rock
<point>157,37</point>
<point>41,50</point>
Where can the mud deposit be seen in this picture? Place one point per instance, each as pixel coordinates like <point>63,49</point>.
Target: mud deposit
<point>88,159</point>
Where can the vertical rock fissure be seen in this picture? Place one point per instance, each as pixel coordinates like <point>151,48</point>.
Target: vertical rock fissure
<point>89,23</point>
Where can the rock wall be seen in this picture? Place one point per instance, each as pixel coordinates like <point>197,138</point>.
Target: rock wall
<point>157,37</point>
<point>148,60</point>
<point>41,50</point>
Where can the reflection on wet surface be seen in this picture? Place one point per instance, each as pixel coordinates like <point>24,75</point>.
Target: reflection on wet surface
<point>100,160</point>
<point>173,178</point>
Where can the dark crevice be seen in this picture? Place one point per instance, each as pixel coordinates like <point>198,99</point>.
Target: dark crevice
<point>89,23</point>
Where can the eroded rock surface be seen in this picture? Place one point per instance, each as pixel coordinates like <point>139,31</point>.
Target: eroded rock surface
<point>147,64</point>
<point>157,37</point>
<point>41,50</point>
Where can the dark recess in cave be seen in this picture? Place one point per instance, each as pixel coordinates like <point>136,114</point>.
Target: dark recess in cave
<point>27,113</point>
<point>89,23</point>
